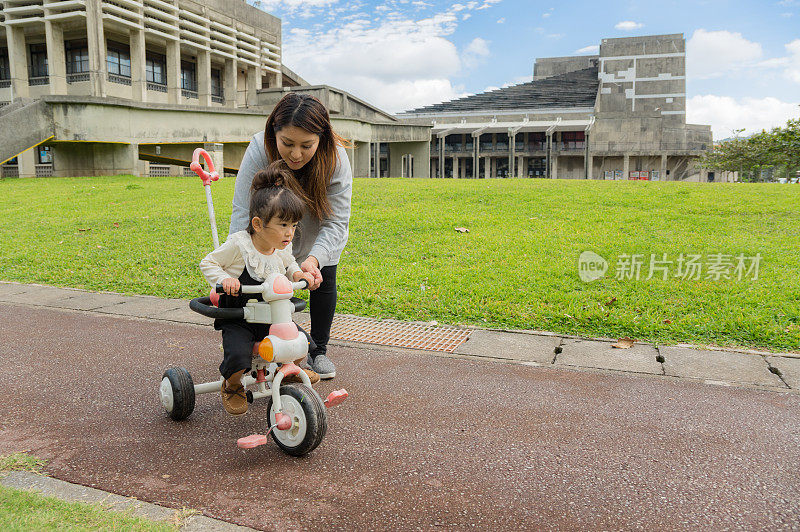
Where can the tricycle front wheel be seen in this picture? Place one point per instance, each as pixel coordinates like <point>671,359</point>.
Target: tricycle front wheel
<point>309,420</point>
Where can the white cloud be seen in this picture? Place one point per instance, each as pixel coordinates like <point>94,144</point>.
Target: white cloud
<point>396,63</point>
<point>546,15</point>
<point>592,49</point>
<point>475,52</point>
<point>487,4</point>
<point>793,61</point>
<point>303,8</point>
<point>711,54</point>
<point>628,25</point>
<point>501,20</point>
<point>726,114</point>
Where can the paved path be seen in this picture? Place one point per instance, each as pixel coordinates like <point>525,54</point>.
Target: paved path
<point>772,371</point>
<point>424,441</point>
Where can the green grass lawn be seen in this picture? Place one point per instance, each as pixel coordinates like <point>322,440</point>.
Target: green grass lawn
<point>517,267</point>
<point>26,511</point>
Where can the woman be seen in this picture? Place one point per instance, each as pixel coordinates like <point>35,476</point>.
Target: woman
<point>299,131</point>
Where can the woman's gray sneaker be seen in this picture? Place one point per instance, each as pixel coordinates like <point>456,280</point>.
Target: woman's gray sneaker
<point>323,366</point>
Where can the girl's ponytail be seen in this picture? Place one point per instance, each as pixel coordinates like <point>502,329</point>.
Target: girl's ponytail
<point>275,175</point>
<point>275,192</point>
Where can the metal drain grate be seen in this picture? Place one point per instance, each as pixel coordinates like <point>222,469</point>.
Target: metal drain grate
<point>395,333</point>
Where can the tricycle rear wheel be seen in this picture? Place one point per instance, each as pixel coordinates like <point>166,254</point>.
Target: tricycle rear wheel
<point>177,393</point>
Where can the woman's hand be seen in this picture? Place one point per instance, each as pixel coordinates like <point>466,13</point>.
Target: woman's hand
<point>311,265</point>
<point>231,286</point>
<point>301,275</point>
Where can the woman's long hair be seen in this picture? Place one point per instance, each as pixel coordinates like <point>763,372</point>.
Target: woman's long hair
<point>306,112</point>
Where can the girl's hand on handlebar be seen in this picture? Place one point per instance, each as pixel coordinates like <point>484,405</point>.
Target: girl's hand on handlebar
<point>231,286</point>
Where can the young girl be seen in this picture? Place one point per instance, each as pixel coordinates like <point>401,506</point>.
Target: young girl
<point>248,257</point>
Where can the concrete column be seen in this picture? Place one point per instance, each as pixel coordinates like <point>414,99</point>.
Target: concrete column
<point>487,167</point>
<point>455,167</point>
<point>441,156</point>
<point>351,155</point>
<point>555,167</point>
<point>204,77</point>
<point>524,164</point>
<point>512,154</point>
<point>96,44</point>
<point>174,72</point>
<point>590,166</point>
<point>138,66</point>
<point>520,167</point>
<point>587,167</point>
<point>494,167</point>
<point>253,84</point>
<point>56,60</point>
<point>27,163</point>
<point>229,80</point>
<point>361,160</point>
<point>662,173</point>
<point>216,151</point>
<point>420,153</point>
<point>18,61</point>
<point>476,157</point>
<point>129,160</point>
<point>547,151</point>
<point>626,166</point>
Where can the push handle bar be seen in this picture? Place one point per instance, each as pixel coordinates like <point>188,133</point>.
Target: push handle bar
<point>206,176</point>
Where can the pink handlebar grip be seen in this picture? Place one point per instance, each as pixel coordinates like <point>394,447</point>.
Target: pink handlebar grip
<point>206,177</point>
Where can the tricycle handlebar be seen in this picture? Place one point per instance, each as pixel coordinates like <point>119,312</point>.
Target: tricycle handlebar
<point>302,284</point>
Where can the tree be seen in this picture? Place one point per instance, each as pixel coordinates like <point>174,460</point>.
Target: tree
<point>778,148</point>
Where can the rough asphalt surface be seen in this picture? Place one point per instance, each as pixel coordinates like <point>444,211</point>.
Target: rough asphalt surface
<point>423,442</point>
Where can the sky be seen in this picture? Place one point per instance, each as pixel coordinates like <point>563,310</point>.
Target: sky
<point>743,58</point>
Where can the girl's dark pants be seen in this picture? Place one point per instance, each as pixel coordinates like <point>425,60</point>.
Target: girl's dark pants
<point>238,336</point>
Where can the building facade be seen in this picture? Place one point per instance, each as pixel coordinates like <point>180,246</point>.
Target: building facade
<point>93,87</point>
<point>620,114</point>
<point>142,50</point>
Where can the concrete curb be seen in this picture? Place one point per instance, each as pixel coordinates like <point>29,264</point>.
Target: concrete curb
<point>188,521</point>
<point>727,367</point>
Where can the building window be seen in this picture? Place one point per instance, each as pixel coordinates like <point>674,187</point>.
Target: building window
<point>119,60</point>
<point>188,77</point>
<point>216,83</point>
<point>537,141</point>
<point>38,61</point>
<point>44,155</point>
<point>77,57</point>
<point>485,142</point>
<point>573,140</point>
<point>156,67</point>
<point>5,69</point>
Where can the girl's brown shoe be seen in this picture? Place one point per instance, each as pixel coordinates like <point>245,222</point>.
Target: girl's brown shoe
<point>234,399</point>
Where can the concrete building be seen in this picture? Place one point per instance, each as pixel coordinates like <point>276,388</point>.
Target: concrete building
<point>94,87</point>
<point>617,115</point>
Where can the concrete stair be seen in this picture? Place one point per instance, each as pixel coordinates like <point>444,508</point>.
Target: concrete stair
<point>23,124</point>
